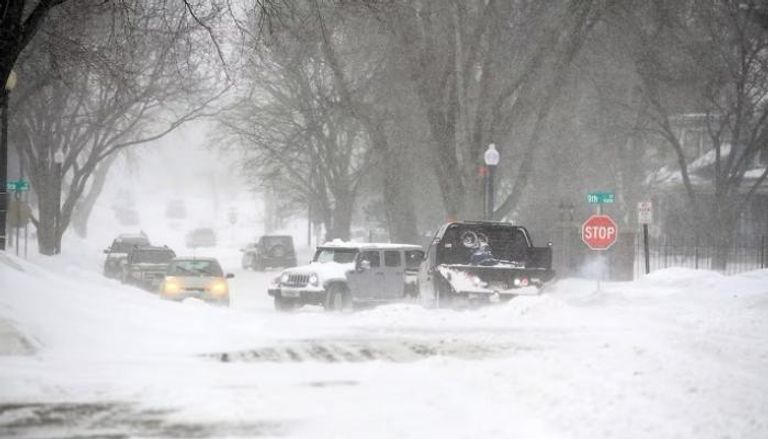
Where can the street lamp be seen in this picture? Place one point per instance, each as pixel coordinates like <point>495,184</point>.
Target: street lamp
<point>10,83</point>
<point>491,158</point>
<point>58,160</point>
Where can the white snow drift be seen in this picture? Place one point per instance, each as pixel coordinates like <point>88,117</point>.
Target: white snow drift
<point>679,354</point>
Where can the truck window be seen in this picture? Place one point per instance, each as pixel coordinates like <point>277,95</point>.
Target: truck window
<point>373,257</point>
<point>392,258</point>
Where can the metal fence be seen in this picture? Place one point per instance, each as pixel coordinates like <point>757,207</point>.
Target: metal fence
<point>743,256</point>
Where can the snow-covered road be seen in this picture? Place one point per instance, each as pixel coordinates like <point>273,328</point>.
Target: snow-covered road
<point>679,354</point>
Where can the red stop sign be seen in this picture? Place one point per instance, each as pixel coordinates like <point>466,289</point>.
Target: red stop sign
<point>599,232</point>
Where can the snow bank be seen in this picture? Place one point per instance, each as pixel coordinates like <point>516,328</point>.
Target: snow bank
<point>679,353</point>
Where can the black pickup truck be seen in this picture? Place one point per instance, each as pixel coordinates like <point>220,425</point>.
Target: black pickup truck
<point>482,261</point>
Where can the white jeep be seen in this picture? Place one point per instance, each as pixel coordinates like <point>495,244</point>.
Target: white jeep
<point>343,275</point>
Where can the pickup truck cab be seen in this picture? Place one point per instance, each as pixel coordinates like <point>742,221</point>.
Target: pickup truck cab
<point>482,261</point>
<point>343,275</point>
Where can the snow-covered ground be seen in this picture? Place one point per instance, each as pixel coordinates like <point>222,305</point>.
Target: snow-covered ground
<point>678,354</point>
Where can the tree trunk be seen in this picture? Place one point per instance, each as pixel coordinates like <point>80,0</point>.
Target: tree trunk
<point>341,215</point>
<point>398,201</point>
<point>85,206</point>
<point>723,232</point>
<point>48,240</point>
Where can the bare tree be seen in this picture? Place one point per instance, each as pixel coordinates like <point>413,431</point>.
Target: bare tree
<point>710,59</point>
<point>483,71</point>
<point>294,134</point>
<point>88,96</point>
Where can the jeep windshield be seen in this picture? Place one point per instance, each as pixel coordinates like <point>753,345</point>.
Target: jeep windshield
<point>195,267</point>
<point>340,255</point>
<point>151,256</point>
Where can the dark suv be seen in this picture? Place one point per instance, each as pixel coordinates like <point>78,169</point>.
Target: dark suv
<point>145,266</point>
<point>270,251</point>
<point>118,251</point>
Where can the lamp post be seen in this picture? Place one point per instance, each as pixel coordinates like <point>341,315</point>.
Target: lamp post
<point>58,160</point>
<point>10,83</point>
<point>491,158</point>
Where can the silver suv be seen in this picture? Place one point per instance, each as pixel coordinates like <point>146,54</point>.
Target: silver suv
<point>343,275</point>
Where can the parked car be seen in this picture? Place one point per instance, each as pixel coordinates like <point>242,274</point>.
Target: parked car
<point>343,275</point>
<point>199,278</point>
<point>202,237</point>
<point>483,261</point>
<point>270,251</point>
<point>117,252</point>
<point>145,266</point>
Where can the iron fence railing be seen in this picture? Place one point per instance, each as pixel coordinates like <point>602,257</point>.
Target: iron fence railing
<point>664,253</point>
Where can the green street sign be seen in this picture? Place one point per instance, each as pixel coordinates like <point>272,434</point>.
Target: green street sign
<point>17,185</point>
<point>600,198</point>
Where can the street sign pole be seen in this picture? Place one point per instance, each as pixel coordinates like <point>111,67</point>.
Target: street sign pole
<point>599,198</point>
<point>646,252</point>
<point>645,217</point>
<point>17,197</point>
<point>600,260</point>
<point>26,227</point>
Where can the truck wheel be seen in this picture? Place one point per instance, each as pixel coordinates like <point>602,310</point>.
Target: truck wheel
<point>336,298</point>
<point>283,304</point>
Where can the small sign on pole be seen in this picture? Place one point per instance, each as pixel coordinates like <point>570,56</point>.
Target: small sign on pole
<point>17,185</point>
<point>645,212</point>
<point>601,198</point>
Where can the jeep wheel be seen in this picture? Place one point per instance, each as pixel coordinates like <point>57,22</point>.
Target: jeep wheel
<point>337,298</point>
<point>284,304</point>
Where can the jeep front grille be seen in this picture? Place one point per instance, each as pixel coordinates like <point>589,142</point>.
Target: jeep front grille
<point>297,280</point>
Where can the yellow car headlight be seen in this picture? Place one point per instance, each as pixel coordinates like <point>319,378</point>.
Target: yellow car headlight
<point>219,287</point>
<point>171,286</point>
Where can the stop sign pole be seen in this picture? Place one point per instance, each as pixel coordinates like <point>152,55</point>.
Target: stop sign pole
<point>599,232</point>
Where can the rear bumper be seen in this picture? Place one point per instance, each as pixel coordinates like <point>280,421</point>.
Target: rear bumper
<point>498,281</point>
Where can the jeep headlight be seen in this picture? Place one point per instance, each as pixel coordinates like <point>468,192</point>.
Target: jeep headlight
<point>284,278</point>
<point>313,280</point>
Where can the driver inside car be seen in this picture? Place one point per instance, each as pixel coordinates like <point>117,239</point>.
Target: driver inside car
<point>482,255</point>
